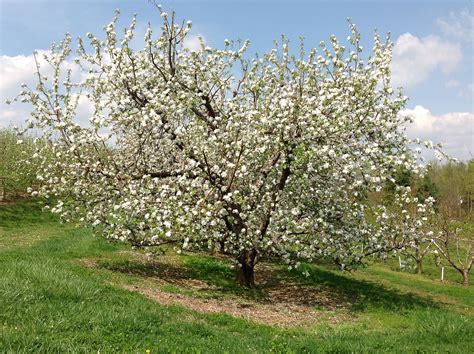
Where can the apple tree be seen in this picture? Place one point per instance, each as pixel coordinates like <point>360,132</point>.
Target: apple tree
<point>254,156</point>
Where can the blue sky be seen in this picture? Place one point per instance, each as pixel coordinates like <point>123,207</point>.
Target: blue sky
<point>434,39</point>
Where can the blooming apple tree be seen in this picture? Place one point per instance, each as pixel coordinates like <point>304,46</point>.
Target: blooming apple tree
<point>269,156</point>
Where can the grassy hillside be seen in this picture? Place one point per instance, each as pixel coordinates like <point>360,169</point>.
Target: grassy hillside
<point>63,290</point>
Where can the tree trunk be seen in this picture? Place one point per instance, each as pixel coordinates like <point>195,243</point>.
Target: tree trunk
<point>465,278</point>
<point>222,246</point>
<point>245,271</point>
<point>419,267</point>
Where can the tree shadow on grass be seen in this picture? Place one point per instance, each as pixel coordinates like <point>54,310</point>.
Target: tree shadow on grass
<point>363,294</point>
<point>208,274</point>
<point>323,289</point>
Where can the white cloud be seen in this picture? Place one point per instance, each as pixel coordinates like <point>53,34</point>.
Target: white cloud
<point>414,59</point>
<point>459,25</point>
<point>193,42</point>
<point>15,70</point>
<point>455,130</point>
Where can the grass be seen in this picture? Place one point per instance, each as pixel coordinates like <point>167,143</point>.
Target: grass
<point>50,301</point>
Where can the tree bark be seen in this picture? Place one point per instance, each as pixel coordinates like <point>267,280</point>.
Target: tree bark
<point>245,272</point>
<point>222,246</point>
<point>465,278</point>
<point>419,267</point>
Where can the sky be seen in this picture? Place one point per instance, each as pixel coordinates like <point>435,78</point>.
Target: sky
<point>433,57</point>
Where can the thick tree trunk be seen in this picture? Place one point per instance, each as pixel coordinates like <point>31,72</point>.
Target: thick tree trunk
<point>245,271</point>
<point>245,275</point>
<point>222,246</point>
<point>419,267</point>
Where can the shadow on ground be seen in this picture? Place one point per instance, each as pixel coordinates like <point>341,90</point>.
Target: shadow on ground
<point>323,289</point>
<point>366,294</point>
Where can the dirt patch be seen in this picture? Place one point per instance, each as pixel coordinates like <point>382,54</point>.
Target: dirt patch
<point>282,314</point>
<point>288,291</point>
<point>89,263</point>
<point>281,301</point>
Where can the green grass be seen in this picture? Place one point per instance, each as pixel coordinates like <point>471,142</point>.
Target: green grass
<point>51,302</point>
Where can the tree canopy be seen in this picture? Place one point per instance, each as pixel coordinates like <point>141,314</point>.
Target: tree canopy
<point>264,156</point>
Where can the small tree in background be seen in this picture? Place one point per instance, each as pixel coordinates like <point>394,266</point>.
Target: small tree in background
<point>17,172</point>
<point>454,233</point>
<point>454,182</point>
<point>414,213</point>
<point>270,156</point>
<point>423,190</point>
<point>455,244</point>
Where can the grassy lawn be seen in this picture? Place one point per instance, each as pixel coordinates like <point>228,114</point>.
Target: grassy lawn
<point>62,290</point>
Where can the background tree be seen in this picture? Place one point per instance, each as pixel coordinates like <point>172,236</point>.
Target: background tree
<point>455,244</point>
<point>17,172</point>
<point>452,180</point>
<point>270,156</point>
<point>426,187</point>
